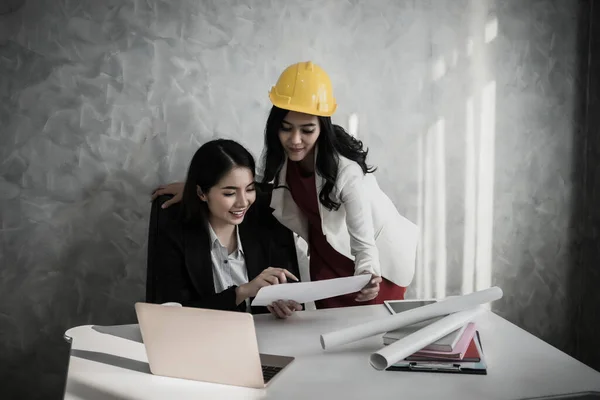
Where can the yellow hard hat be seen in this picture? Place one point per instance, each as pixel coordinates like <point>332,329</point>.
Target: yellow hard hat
<point>304,87</point>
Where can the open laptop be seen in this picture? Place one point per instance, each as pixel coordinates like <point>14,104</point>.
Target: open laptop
<point>205,345</point>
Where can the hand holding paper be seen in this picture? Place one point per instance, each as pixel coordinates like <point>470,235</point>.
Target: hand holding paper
<point>303,292</point>
<point>371,291</point>
<point>269,276</point>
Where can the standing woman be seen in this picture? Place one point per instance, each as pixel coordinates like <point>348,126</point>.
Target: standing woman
<point>324,191</point>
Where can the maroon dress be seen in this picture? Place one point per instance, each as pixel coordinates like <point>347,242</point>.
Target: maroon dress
<point>325,261</point>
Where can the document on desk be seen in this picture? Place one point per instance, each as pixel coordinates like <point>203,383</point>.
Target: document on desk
<point>303,292</point>
<point>402,348</point>
<point>438,309</point>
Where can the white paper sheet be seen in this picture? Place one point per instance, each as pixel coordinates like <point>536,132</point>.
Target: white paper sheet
<point>441,308</point>
<point>414,342</point>
<point>303,292</point>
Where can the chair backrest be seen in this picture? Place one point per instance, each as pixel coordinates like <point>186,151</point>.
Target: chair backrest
<point>155,214</point>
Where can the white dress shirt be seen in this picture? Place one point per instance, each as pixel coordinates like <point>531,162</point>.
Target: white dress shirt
<point>228,269</point>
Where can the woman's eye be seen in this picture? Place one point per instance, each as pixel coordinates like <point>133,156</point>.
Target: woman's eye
<point>286,129</point>
<point>251,189</point>
<point>308,132</point>
<point>228,194</point>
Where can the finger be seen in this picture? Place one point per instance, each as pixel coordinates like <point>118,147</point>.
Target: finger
<point>376,280</point>
<point>370,288</point>
<point>361,297</point>
<point>278,310</point>
<point>281,276</point>
<point>271,279</point>
<point>277,273</point>
<point>157,192</point>
<point>284,307</point>
<point>367,296</point>
<point>371,284</point>
<point>369,292</point>
<point>168,203</point>
<point>272,311</point>
<point>294,305</point>
<point>290,275</point>
<point>274,270</point>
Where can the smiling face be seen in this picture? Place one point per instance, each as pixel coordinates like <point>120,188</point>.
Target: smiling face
<point>229,200</point>
<point>298,135</point>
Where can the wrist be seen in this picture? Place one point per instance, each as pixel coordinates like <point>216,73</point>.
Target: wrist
<point>241,293</point>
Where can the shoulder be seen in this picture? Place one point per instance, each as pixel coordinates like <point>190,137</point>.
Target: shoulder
<point>168,214</point>
<point>348,171</point>
<point>348,167</point>
<point>165,220</point>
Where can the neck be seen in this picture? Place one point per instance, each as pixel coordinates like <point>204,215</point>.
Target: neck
<point>307,164</point>
<point>225,232</point>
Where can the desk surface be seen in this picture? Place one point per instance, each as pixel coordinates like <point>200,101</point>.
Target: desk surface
<point>110,362</point>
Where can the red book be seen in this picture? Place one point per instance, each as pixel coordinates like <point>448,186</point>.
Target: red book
<point>470,355</point>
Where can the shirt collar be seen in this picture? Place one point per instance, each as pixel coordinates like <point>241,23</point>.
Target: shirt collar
<point>214,240</point>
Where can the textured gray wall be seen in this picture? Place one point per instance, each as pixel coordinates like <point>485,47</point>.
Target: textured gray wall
<point>470,110</point>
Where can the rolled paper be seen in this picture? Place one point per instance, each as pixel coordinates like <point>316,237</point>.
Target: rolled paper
<point>409,317</point>
<point>408,345</point>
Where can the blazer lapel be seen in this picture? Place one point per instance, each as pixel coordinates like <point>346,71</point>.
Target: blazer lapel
<point>279,192</point>
<point>198,261</point>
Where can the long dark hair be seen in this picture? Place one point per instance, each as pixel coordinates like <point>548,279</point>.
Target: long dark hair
<point>333,141</point>
<point>212,161</point>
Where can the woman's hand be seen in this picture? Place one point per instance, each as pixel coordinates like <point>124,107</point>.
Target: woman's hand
<point>283,309</point>
<point>371,290</point>
<point>270,276</point>
<point>175,189</point>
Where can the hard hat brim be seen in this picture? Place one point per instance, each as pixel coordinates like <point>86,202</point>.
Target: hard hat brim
<point>277,101</point>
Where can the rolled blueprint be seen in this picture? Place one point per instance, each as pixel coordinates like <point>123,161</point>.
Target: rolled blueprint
<point>402,348</point>
<point>441,308</point>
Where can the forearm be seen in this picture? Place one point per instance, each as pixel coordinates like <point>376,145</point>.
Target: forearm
<point>359,223</point>
<point>241,294</point>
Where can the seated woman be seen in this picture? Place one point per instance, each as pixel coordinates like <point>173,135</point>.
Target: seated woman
<point>221,244</point>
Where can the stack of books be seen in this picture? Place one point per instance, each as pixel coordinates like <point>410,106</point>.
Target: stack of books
<point>459,352</point>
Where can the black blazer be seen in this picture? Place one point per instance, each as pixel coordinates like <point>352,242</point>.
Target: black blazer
<point>179,262</point>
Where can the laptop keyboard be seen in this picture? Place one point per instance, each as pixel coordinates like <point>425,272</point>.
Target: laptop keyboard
<point>269,372</point>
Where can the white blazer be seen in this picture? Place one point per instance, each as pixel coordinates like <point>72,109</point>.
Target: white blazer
<point>366,228</point>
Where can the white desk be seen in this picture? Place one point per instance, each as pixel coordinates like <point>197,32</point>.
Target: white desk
<point>108,365</point>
